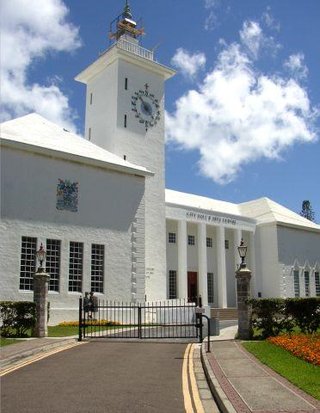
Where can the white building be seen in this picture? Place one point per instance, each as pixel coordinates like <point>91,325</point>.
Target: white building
<point>100,208</point>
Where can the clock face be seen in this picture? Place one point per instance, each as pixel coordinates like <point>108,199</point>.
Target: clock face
<point>146,107</point>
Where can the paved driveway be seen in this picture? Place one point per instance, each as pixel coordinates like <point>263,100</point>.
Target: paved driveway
<point>100,377</point>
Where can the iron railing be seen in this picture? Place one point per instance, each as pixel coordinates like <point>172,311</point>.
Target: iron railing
<point>147,320</point>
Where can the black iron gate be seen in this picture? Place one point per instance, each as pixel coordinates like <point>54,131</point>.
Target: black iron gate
<point>147,320</point>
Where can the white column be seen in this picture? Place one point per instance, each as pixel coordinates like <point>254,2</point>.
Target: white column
<point>182,260</point>
<point>221,266</point>
<point>202,263</point>
<point>252,258</point>
<point>237,240</point>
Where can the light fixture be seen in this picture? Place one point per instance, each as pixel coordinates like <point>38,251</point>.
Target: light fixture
<point>242,249</point>
<point>41,255</point>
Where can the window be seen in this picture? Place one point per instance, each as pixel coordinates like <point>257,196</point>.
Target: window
<point>209,242</point>
<point>53,263</point>
<point>126,83</point>
<point>125,121</point>
<point>75,266</point>
<point>226,244</point>
<point>191,240</point>
<point>210,287</point>
<point>97,268</point>
<point>317,283</point>
<point>27,263</point>
<point>307,283</point>
<point>296,283</point>
<point>172,284</point>
<point>172,237</point>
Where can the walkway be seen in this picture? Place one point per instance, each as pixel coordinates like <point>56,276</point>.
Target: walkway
<point>241,384</point>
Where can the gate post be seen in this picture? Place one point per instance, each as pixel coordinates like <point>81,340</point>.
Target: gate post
<point>139,323</point>
<point>80,319</point>
<point>243,276</point>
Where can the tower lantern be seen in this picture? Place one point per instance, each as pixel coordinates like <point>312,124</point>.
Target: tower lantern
<point>124,25</point>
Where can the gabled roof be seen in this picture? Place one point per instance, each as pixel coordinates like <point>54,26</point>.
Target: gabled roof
<point>201,202</point>
<point>35,133</point>
<point>267,211</point>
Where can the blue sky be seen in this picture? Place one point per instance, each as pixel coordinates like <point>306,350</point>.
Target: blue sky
<point>242,112</point>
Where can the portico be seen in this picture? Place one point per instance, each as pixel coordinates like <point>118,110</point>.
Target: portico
<point>202,254</point>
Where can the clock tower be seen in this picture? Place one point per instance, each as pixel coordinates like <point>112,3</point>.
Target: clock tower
<point>125,115</point>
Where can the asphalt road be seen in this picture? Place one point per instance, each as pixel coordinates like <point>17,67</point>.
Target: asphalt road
<point>100,377</point>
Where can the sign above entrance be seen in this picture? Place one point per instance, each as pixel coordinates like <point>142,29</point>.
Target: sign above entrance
<point>199,216</point>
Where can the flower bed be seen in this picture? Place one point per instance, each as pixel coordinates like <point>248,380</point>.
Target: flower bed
<point>90,322</point>
<point>306,347</point>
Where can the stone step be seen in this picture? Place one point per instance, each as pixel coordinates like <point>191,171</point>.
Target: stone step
<point>224,313</point>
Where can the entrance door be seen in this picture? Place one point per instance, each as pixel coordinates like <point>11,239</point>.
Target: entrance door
<point>192,286</point>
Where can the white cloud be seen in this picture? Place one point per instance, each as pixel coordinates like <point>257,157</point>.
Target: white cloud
<point>211,21</point>
<point>238,116</point>
<point>28,33</point>
<point>296,66</point>
<point>255,41</point>
<point>189,64</point>
<point>270,21</point>
<point>251,36</point>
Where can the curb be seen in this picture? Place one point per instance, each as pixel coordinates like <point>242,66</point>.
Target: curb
<point>11,360</point>
<point>219,395</point>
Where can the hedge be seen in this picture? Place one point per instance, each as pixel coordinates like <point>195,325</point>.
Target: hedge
<point>274,315</point>
<point>17,317</point>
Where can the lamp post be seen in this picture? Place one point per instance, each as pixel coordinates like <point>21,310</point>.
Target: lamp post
<point>40,295</point>
<point>243,276</point>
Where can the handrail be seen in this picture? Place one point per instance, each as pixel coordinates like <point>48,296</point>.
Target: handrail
<point>135,49</point>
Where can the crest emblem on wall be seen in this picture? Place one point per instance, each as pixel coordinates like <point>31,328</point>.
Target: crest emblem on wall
<point>67,195</point>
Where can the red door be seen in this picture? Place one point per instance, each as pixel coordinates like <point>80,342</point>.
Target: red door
<point>192,286</point>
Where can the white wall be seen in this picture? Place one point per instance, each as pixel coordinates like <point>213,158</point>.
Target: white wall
<point>110,210</point>
<point>298,249</point>
<point>268,279</point>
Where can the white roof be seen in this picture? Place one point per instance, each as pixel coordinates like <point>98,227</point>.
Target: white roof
<point>267,211</point>
<point>201,202</point>
<point>263,210</point>
<point>33,132</point>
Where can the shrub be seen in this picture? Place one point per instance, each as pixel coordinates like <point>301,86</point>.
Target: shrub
<point>268,315</point>
<point>275,315</point>
<point>305,313</point>
<point>17,317</point>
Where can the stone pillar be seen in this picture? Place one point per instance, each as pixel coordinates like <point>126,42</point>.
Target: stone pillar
<point>40,297</point>
<point>243,276</point>
<point>182,260</point>
<point>202,263</point>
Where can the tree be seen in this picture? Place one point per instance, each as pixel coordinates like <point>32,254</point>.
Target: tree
<point>307,211</point>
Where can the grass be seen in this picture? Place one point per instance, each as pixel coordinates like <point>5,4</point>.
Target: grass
<point>7,341</point>
<point>62,331</point>
<point>304,375</point>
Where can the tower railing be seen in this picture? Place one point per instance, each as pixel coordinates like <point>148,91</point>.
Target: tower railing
<point>135,49</point>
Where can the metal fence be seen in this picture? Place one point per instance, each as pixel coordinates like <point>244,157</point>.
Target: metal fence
<point>147,320</point>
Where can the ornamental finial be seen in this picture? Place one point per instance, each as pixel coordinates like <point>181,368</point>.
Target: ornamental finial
<point>126,14</point>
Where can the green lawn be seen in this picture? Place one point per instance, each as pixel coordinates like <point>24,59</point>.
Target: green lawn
<point>61,331</point>
<point>6,341</point>
<point>302,374</point>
